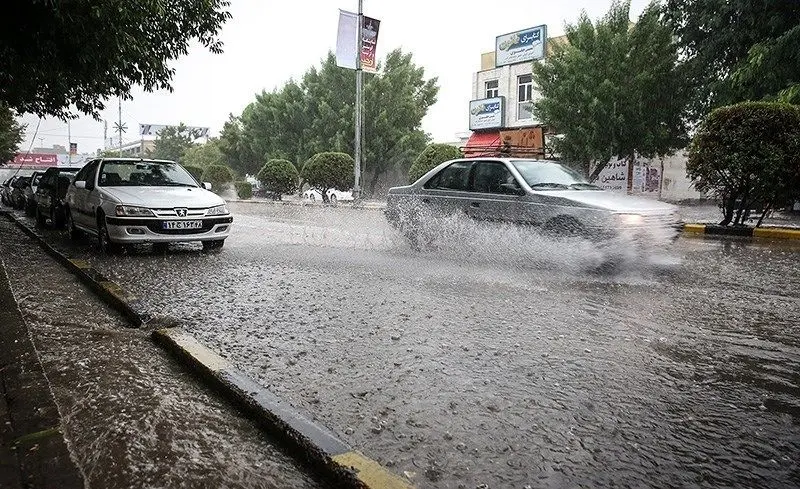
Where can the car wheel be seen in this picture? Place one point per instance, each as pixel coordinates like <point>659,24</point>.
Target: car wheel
<point>213,245</point>
<point>312,197</point>
<point>564,226</point>
<point>74,233</point>
<point>40,221</point>
<point>107,247</point>
<point>57,217</point>
<point>334,201</point>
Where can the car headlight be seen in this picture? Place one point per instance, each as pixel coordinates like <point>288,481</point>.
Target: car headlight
<point>218,210</point>
<point>133,211</point>
<point>630,219</point>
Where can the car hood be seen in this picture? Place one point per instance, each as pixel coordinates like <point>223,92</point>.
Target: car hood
<point>611,201</point>
<point>164,197</point>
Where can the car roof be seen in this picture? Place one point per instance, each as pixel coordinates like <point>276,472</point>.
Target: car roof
<point>150,160</point>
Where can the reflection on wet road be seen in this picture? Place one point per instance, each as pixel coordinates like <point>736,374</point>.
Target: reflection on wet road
<point>495,359</point>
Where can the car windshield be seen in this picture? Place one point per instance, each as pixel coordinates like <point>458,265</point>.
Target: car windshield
<point>548,175</point>
<point>144,174</point>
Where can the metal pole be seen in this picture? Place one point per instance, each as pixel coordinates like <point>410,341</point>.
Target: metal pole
<point>359,82</point>
<point>120,128</point>
<point>69,143</point>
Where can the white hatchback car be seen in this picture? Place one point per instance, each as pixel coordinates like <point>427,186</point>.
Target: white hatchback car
<point>334,195</point>
<point>131,200</point>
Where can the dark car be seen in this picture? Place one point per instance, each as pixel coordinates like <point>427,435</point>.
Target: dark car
<point>30,193</point>
<point>50,195</point>
<point>5,190</point>
<point>17,196</point>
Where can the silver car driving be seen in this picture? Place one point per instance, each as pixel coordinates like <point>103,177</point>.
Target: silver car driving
<point>540,193</point>
<point>128,201</point>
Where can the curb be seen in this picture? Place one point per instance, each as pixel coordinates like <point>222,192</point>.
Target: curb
<point>743,231</point>
<point>118,298</point>
<point>317,444</point>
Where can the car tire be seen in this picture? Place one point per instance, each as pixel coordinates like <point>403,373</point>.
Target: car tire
<point>213,245</point>
<point>57,217</point>
<point>40,220</point>
<point>312,197</point>
<point>75,234</point>
<point>333,200</point>
<point>104,243</point>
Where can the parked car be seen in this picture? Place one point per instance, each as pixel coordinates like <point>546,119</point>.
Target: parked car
<point>17,196</point>
<point>540,193</point>
<point>50,195</point>
<point>5,190</point>
<point>130,200</point>
<point>334,195</point>
<point>30,193</point>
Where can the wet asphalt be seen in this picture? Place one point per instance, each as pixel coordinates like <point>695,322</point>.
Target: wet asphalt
<point>497,359</point>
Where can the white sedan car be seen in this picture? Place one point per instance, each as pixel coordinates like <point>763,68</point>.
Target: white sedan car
<point>334,195</point>
<point>131,200</point>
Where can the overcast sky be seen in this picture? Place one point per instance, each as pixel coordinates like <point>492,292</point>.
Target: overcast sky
<point>268,42</point>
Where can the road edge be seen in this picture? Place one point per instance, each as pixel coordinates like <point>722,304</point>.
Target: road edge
<point>323,451</point>
<point>771,232</point>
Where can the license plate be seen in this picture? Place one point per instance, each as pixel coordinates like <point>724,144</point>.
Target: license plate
<point>183,224</point>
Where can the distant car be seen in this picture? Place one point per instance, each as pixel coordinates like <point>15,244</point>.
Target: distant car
<point>5,190</point>
<point>50,195</point>
<point>132,200</point>
<point>334,195</point>
<point>17,194</point>
<point>538,193</point>
<point>30,193</point>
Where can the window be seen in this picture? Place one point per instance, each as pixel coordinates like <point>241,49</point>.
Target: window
<point>490,176</point>
<point>492,89</point>
<point>83,174</point>
<point>453,177</point>
<point>122,173</point>
<point>524,96</point>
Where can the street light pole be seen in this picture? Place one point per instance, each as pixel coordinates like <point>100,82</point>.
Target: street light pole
<point>359,83</point>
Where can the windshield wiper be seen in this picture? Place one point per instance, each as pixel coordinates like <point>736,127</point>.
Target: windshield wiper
<point>549,185</point>
<point>176,184</point>
<point>586,186</point>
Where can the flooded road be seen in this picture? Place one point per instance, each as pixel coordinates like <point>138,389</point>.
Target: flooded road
<point>496,359</point>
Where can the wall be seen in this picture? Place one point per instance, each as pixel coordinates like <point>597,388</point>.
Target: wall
<point>507,86</point>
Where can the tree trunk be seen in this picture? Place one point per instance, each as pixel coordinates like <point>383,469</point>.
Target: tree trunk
<point>373,183</point>
<point>727,210</point>
<point>325,199</point>
<point>767,208</point>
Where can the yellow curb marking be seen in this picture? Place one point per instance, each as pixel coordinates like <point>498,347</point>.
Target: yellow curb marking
<point>694,228</point>
<point>194,348</point>
<point>370,472</point>
<point>113,288</point>
<point>82,264</point>
<point>780,233</point>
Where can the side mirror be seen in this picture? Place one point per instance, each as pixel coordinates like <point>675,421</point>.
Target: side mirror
<point>512,189</point>
<point>80,184</point>
<point>206,185</point>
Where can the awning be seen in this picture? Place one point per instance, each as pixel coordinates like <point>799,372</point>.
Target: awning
<point>482,144</point>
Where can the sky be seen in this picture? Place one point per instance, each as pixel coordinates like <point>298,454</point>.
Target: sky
<point>268,42</point>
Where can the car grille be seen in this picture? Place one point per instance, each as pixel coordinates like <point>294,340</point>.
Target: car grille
<point>191,212</point>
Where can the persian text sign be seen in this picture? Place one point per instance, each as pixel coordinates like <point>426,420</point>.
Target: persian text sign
<point>614,176</point>
<point>347,42</point>
<point>369,44</point>
<point>520,46</point>
<point>486,113</point>
<point>154,129</point>
<point>35,159</point>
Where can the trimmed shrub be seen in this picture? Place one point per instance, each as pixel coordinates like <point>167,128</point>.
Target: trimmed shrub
<point>279,176</point>
<point>219,176</point>
<point>243,189</point>
<point>324,171</point>
<point>195,171</point>
<point>433,155</point>
<point>747,155</point>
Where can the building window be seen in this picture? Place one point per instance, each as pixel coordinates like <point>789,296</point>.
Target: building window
<point>492,89</point>
<point>524,96</point>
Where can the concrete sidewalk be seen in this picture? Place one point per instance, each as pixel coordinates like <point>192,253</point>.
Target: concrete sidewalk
<point>127,414</point>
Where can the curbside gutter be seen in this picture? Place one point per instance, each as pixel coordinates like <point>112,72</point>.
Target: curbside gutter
<point>743,231</point>
<point>316,445</point>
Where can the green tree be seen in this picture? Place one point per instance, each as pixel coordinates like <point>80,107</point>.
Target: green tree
<point>47,67</point>
<point>328,170</point>
<point>219,176</point>
<point>748,154</point>
<point>316,115</point>
<point>172,142</point>
<point>203,155</point>
<point>612,90</point>
<point>431,156</point>
<point>235,149</point>
<point>11,133</point>
<point>736,50</point>
<point>279,176</point>
<point>195,171</point>
<point>243,189</point>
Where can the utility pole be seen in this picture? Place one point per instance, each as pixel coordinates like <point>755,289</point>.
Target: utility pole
<point>359,83</point>
<point>69,143</point>
<point>105,134</point>
<point>119,128</point>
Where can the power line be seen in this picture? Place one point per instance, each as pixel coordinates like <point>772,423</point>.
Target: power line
<point>35,133</point>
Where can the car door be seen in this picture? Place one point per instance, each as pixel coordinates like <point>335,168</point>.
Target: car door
<point>78,195</point>
<point>448,192</point>
<point>495,192</point>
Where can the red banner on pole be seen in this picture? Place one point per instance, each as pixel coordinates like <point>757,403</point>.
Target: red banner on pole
<point>369,44</point>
